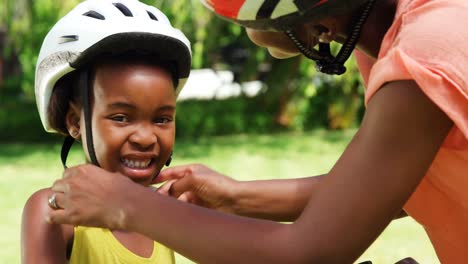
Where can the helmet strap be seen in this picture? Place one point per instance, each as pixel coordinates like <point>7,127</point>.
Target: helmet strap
<point>323,58</point>
<point>168,162</point>
<point>86,85</point>
<point>66,146</point>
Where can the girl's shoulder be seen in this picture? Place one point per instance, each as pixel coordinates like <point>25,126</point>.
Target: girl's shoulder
<point>37,234</point>
<point>37,208</point>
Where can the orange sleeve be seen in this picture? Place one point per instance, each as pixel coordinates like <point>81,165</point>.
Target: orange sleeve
<point>429,44</point>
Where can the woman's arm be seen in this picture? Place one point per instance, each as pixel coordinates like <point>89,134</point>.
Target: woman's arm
<point>392,151</point>
<point>278,200</point>
<point>42,242</point>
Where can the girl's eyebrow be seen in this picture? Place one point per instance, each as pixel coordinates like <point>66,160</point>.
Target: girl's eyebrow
<point>121,105</point>
<point>131,106</point>
<point>167,108</point>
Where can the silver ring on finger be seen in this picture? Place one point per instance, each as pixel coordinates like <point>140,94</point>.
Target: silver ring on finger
<point>53,202</point>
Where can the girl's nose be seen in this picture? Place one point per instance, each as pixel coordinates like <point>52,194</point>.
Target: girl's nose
<point>144,136</point>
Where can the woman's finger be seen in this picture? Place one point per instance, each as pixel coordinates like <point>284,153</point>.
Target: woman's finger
<point>166,187</point>
<point>68,172</point>
<point>56,200</point>
<point>191,198</point>
<point>60,185</point>
<point>184,198</point>
<point>176,172</point>
<point>58,217</point>
<point>181,186</point>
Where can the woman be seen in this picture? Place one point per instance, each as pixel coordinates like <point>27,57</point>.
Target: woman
<point>410,151</point>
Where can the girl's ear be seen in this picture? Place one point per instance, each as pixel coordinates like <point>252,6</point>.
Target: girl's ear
<point>72,120</point>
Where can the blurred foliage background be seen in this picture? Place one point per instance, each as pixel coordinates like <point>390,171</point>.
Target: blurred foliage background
<point>293,95</point>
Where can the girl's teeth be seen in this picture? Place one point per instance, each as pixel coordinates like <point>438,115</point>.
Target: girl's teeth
<point>136,164</point>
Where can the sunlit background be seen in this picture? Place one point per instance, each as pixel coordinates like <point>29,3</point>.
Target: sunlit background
<point>242,112</point>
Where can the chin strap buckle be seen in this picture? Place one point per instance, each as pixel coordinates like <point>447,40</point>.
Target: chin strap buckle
<point>330,68</point>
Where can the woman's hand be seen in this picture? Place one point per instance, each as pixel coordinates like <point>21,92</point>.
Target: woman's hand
<point>90,196</point>
<point>199,185</point>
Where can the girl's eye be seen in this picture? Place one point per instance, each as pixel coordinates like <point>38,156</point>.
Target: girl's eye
<point>119,118</point>
<point>162,120</point>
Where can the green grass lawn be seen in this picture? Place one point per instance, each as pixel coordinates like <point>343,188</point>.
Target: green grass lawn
<point>26,168</point>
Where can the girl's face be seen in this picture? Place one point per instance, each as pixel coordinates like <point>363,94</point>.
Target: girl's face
<point>132,119</point>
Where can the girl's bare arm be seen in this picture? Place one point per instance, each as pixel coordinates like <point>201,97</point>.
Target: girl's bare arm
<point>42,242</point>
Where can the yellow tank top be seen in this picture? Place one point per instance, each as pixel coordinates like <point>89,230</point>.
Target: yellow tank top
<point>98,245</point>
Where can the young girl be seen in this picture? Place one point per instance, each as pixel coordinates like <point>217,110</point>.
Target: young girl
<point>410,152</point>
<point>108,75</point>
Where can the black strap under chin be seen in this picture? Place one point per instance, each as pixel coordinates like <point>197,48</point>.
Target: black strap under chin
<point>330,65</point>
<point>66,146</point>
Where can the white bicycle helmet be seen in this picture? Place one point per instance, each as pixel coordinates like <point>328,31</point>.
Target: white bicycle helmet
<point>102,27</point>
<point>106,26</point>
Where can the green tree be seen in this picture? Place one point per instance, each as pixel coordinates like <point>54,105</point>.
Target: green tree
<point>27,22</point>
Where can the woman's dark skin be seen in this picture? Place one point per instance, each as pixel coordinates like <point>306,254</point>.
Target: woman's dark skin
<point>269,199</point>
<point>346,209</point>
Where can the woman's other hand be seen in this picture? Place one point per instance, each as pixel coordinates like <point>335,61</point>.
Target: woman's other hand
<point>199,185</point>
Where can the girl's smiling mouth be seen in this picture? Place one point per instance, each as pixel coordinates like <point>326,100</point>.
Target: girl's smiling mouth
<point>136,164</point>
<point>139,169</point>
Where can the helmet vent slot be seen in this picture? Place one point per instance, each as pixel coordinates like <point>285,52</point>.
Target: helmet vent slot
<point>94,14</point>
<point>68,38</point>
<point>152,16</point>
<point>123,9</point>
